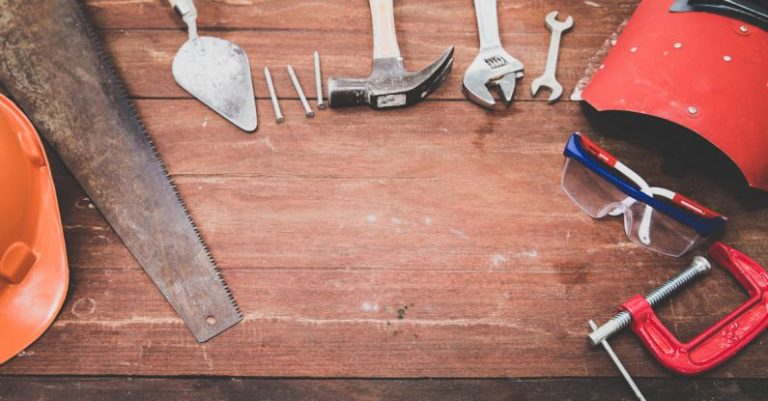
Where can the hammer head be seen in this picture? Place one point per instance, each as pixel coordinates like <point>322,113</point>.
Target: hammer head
<point>389,85</point>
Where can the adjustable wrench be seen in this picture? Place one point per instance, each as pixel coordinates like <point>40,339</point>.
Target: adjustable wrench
<point>493,66</point>
<point>548,79</point>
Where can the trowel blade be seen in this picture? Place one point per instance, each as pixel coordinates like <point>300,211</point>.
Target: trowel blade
<point>217,72</point>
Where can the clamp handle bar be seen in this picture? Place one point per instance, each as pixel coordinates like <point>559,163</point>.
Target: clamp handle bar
<point>721,341</point>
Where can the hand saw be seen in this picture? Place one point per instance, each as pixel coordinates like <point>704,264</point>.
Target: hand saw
<point>53,65</point>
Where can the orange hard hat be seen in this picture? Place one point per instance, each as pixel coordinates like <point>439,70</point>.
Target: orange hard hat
<point>33,262</point>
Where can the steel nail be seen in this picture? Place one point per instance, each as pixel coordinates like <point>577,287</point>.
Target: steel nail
<point>307,110</point>
<point>318,82</point>
<point>275,105</point>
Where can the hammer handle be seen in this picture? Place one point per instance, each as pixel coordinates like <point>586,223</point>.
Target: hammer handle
<point>384,36</point>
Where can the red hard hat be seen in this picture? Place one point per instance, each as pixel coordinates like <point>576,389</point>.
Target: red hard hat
<point>33,262</point>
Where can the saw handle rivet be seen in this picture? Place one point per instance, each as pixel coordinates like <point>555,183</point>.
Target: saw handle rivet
<point>677,45</point>
<point>693,111</point>
<point>210,320</point>
<point>744,29</point>
<point>727,58</point>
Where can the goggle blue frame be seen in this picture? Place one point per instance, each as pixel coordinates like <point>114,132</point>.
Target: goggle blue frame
<point>703,225</point>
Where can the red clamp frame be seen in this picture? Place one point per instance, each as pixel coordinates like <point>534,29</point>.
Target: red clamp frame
<point>721,341</point>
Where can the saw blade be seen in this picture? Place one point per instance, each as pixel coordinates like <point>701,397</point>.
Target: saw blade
<point>54,66</point>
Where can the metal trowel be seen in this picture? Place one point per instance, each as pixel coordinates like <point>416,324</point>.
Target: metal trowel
<point>215,71</point>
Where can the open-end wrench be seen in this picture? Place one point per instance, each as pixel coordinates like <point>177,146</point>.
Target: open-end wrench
<point>548,79</point>
<point>493,66</point>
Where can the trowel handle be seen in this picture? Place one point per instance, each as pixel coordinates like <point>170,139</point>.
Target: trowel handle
<point>188,12</point>
<point>384,35</point>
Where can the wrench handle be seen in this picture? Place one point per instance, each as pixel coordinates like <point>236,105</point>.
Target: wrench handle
<point>552,53</point>
<point>384,35</point>
<point>487,23</point>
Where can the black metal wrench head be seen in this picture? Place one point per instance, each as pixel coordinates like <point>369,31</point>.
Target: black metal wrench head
<point>389,84</point>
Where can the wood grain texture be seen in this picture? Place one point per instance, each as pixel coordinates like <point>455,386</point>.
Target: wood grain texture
<point>411,251</point>
<point>438,16</point>
<point>240,389</point>
<point>432,241</point>
<point>144,58</point>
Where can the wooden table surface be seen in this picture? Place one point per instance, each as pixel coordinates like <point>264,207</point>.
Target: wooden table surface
<point>372,250</point>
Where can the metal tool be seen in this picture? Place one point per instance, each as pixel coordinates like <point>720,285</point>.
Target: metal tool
<point>304,103</point>
<point>215,71</point>
<point>493,66</point>
<point>89,121</point>
<point>272,95</point>
<point>389,84</point>
<point>698,267</point>
<point>318,82</point>
<point>549,79</point>
<point>713,346</point>
<point>618,364</point>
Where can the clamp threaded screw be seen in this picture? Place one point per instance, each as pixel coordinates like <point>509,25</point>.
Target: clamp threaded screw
<point>698,267</point>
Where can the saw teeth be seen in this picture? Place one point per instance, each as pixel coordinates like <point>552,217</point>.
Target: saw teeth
<point>109,65</point>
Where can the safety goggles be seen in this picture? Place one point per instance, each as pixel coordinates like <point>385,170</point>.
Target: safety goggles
<point>656,218</point>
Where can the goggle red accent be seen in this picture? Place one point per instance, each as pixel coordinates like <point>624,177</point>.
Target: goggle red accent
<point>694,207</point>
<point>597,151</point>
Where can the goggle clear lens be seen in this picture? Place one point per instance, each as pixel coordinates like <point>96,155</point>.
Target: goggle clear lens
<point>591,192</point>
<point>643,224</point>
<point>648,227</point>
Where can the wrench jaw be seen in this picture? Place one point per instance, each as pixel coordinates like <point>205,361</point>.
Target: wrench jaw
<point>556,90</point>
<point>492,70</point>
<point>553,23</point>
<point>506,85</point>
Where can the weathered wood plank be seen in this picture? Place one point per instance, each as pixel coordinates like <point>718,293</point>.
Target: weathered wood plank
<point>236,389</point>
<point>441,16</point>
<point>493,270</point>
<point>327,229</point>
<point>144,58</point>
<point>358,323</point>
